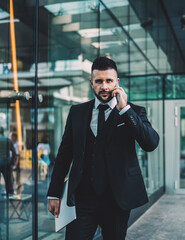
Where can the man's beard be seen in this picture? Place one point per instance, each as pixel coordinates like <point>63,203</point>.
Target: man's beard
<point>101,99</point>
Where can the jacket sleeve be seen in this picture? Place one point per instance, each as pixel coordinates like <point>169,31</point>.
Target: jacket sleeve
<point>63,161</point>
<point>145,135</point>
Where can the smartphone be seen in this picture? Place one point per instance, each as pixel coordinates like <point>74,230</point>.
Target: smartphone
<point>117,96</point>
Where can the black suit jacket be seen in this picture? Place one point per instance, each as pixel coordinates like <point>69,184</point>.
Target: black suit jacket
<point>122,165</point>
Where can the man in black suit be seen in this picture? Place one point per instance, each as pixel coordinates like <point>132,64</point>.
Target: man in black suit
<point>105,181</point>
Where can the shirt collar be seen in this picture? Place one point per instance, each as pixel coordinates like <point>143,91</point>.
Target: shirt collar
<point>112,103</point>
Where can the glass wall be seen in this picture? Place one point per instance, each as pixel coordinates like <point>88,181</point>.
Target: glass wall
<point>17,135</point>
<point>175,87</point>
<point>45,64</point>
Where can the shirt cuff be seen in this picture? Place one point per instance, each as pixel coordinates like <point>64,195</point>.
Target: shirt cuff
<point>53,198</point>
<point>124,110</point>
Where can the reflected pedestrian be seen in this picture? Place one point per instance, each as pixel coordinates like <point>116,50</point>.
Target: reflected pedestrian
<point>7,160</point>
<point>43,154</point>
<point>16,165</point>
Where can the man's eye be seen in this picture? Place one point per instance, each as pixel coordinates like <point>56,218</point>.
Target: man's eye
<point>98,81</point>
<point>109,80</point>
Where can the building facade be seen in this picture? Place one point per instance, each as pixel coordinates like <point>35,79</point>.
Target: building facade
<point>46,51</point>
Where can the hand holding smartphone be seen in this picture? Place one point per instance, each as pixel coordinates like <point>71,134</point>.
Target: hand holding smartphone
<point>121,97</point>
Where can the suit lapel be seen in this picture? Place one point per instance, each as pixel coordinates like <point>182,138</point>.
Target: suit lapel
<point>85,120</point>
<point>111,123</point>
<point>86,115</point>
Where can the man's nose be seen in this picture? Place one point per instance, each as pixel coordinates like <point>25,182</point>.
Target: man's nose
<point>104,86</point>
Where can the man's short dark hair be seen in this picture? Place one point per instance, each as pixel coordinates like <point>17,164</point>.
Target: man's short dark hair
<point>103,63</point>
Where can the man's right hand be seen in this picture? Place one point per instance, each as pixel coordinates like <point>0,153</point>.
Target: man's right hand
<point>53,207</point>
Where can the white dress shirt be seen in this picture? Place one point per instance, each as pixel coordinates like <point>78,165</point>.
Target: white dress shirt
<point>94,120</point>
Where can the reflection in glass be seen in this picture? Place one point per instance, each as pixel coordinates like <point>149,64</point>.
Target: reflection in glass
<point>182,147</point>
<point>175,87</point>
<point>16,82</point>
<point>146,88</point>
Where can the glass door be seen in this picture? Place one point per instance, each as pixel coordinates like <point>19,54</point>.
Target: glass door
<point>182,148</point>
<point>17,86</point>
<point>15,166</point>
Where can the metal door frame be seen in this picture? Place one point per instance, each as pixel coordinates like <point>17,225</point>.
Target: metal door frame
<point>178,105</point>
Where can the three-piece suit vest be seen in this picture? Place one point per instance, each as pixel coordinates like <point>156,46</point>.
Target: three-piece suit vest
<point>95,179</point>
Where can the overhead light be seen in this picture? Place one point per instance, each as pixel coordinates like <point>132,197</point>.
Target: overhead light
<point>67,8</point>
<point>67,65</point>
<point>8,21</point>
<point>141,40</point>
<point>54,82</point>
<point>107,44</point>
<point>89,33</point>
<point>95,32</point>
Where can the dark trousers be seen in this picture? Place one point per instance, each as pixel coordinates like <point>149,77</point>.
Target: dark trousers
<point>92,211</point>
<point>8,178</point>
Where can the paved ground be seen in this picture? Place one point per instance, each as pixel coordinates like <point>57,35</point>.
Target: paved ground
<point>165,220</point>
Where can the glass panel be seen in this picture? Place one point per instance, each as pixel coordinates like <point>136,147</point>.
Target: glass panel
<point>69,45</point>
<point>151,163</point>
<point>146,88</point>
<point>124,83</point>
<point>182,147</point>
<point>155,38</point>
<point>143,163</point>
<point>113,40</point>
<point>175,87</point>
<point>16,135</point>
<point>155,159</point>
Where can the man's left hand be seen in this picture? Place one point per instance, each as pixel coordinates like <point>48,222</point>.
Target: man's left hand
<point>122,97</point>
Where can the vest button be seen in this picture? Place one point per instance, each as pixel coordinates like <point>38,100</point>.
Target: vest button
<point>94,143</point>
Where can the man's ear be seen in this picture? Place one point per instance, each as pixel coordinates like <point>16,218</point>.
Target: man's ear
<point>91,83</point>
<point>117,82</point>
